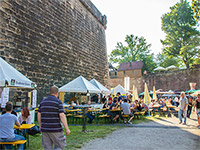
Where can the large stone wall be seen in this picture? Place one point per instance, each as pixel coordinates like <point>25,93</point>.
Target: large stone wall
<point>53,41</point>
<point>174,80</point>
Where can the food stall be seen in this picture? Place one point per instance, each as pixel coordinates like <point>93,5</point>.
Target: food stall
<point>17,88</point>
<point>79,85</point>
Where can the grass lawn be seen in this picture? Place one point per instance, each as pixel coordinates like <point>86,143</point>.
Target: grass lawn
<point>77,138</point>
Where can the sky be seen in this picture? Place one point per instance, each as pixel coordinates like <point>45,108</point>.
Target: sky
<point>137,17</point>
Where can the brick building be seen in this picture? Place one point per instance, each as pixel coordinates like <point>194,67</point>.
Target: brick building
<point>126,73</point>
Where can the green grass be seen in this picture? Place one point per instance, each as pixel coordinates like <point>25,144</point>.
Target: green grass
<point>77,138</point>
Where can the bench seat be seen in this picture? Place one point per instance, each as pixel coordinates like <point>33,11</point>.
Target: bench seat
<point>14,142</point>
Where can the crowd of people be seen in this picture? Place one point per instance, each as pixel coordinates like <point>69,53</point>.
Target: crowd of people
<point>51,114</point>
<point>185,103</point>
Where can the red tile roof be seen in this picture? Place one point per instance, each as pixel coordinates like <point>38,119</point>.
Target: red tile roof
<point>130,66</point>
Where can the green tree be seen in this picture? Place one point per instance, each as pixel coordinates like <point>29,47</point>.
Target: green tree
<point>182,37</point>
<point>166,61</point>
<point>196,9</point>
<point>135,50</point>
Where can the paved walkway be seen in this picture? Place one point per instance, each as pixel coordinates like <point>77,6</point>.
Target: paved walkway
<point>159,134</point>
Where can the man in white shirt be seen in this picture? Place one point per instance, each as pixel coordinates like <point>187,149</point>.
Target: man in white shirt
<point>183,106</point>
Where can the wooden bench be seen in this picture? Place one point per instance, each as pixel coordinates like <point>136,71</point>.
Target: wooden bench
<point>79,117</point>
<point>105,117</point>
<point>14,143</point>
<point>125,117</point>
<point>139,115</point>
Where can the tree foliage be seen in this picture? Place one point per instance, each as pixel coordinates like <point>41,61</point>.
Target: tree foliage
<point>182,37</point>
<point>196,9</point>
<point>135,50</point>
<point>166,61</point>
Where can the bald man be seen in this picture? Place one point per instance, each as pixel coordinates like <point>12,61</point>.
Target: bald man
<point>50,116</point>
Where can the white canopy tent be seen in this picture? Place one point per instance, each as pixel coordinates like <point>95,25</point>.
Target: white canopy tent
<point>79,85</point>
<point>172,67</point>
<point>10,77</point>
<point>120,89</point>
<point>159,69</point>
<point>102,88</point>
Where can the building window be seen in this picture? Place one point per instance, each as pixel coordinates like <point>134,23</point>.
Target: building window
<point>124,72</point>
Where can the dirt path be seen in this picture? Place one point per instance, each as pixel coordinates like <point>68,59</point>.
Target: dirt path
<point>159,134</point>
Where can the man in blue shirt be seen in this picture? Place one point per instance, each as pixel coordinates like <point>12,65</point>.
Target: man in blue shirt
<point>7,122</point>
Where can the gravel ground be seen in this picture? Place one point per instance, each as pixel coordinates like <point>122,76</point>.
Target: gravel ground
<point>161,134</point>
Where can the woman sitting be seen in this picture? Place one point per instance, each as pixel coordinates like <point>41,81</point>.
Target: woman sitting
<point>25,117</point>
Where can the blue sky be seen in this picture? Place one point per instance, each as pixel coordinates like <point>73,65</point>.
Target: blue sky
<point>137,17</point>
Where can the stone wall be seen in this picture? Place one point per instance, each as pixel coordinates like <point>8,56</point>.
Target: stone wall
<point>174,80</point>
<point>168,80</point>
<point>53,41</point>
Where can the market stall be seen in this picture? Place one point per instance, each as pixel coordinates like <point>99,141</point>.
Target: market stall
<point>79,85</point>
<point>17,88</point>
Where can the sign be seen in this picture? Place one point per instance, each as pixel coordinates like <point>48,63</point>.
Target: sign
<point>28,84</point>
<point>4,97</point>
<point>34,102</point>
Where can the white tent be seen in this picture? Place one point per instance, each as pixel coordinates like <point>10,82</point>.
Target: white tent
<point>172,67</point>
<point>159,69</point>
<point>12,78</point>
<point>120,89</point>
<point>79,85</point>
<point>102,88</point>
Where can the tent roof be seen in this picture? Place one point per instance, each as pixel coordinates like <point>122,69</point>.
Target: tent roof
<point>79,85</point>
<point>171,67</point>
<point>120,89</point>
<point>159,69</point>
<point>102,88</point>
<point>9,75</point>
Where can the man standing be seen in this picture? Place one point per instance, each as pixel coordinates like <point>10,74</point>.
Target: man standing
<point>182,109</point>
<point>7,122</point>
<point>50,113</point>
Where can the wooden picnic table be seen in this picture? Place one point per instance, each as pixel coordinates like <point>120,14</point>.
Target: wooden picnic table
<point>171,106</point>
<point>156,106</point>
<point>94,110</point>
<point>23,127</point>
<point>115,110</point>
<point>72,110</point>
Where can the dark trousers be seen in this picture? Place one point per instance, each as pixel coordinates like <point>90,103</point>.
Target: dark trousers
<point>189,111</point>
<point>91,117</point>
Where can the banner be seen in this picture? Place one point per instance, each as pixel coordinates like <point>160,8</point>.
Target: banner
<point>34,102</point>
<point>4,97</point>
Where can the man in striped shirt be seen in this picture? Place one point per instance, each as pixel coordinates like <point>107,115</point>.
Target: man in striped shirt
<point>50,116</point>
